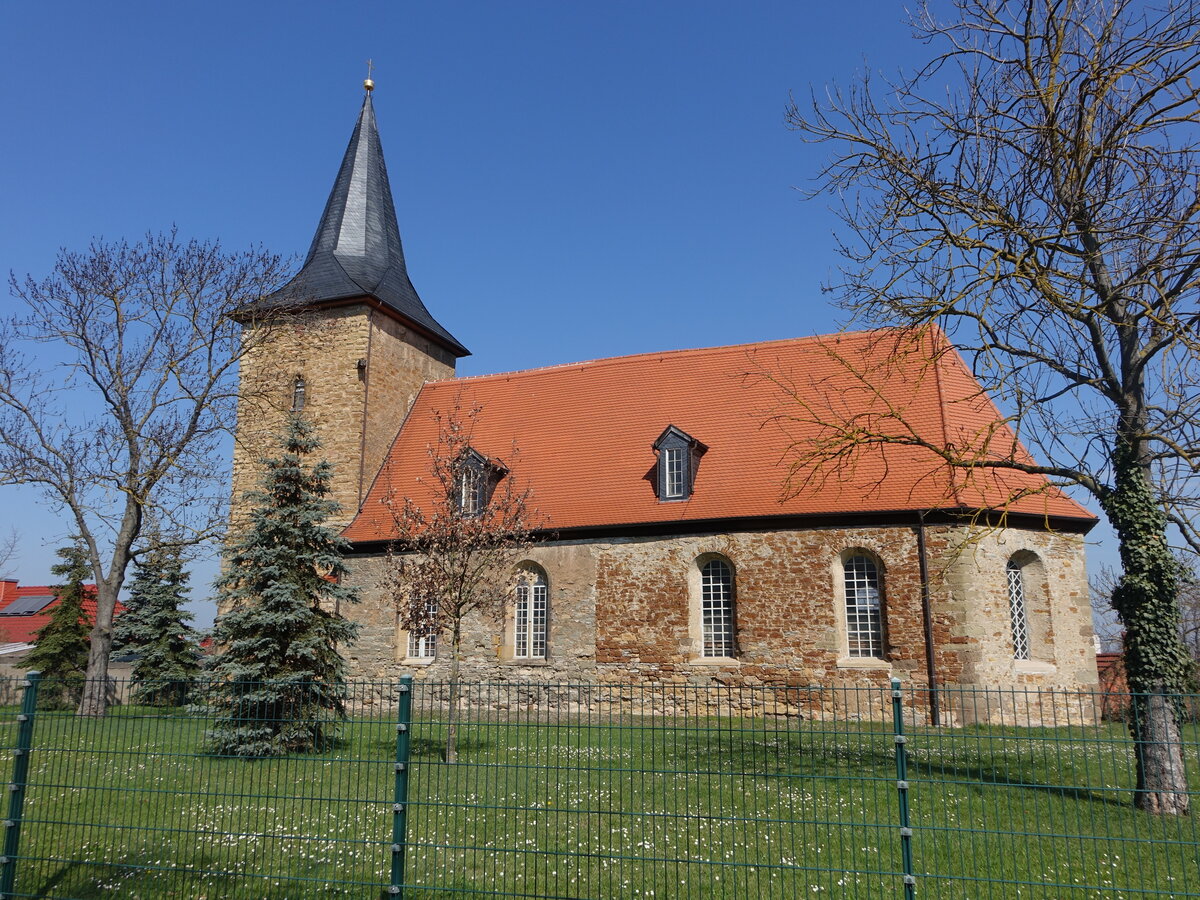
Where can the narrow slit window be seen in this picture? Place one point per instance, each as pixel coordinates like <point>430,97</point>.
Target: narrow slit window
<point>716,608</point>
<point>298,392</point>
<point>1017,612</point>
<point>864,611</point>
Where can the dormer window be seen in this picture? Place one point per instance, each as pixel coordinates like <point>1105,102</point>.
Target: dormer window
<point>678,457</point>
<point>474,480</point>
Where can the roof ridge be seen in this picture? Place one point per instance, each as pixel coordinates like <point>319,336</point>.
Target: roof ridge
<point>686,351</point>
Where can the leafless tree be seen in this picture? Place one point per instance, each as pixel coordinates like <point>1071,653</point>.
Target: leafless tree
<point>1108,626</point>
<point>118,412</point>
<point>8,551</point>
<point>457,544</point>
<point>1033,190</point>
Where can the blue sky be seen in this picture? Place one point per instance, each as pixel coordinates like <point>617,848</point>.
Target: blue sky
<point>572,180</point>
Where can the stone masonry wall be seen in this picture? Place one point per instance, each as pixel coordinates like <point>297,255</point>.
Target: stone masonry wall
<point>324,348</point>
<point>626,611</point>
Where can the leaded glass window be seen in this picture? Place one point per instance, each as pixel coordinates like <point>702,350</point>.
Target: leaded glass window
<point>1017,614</point>
<point>530,623</point>
<point>864,613</point>
<point>716,608</point>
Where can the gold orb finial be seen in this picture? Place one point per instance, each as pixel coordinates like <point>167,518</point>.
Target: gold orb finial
<point>368,84</point>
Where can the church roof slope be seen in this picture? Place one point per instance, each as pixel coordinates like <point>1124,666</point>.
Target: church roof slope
<point>356,251</point>
<point>583,435</point>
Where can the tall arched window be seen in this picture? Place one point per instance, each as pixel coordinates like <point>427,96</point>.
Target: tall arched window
<point>529,623</point>
<point>1018,614</point>
<point>716,608</point>
<point>864,609</point>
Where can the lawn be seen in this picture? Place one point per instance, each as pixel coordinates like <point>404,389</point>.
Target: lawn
<point>590,806</point>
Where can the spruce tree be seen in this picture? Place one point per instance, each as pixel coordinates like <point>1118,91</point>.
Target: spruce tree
<point>155,627</point>
<point>279,678</point>
<point>61,653</point>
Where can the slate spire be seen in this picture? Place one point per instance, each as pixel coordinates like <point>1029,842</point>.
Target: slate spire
<point>356,251</point>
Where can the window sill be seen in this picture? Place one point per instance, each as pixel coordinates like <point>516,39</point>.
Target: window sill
<point>1034,667</point>
<point>532,661</point>
<point>862,662</point>
<point>715,661</point>
<point>418,661</point>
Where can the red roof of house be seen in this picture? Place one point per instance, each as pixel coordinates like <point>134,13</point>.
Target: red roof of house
<point>583,434</point>
<point>24,628</point>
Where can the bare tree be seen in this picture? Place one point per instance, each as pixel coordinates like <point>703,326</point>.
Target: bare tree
<point>8,551</point>
<point>456,545</point>
<point>119,413</point>
<point>1033,190</point>
<point>1103,585</point>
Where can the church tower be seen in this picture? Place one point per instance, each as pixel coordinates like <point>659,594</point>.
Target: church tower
<point>347,341</point>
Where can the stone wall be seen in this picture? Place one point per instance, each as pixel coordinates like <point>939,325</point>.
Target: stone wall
<point>324,348</point>
<point>626,610</point>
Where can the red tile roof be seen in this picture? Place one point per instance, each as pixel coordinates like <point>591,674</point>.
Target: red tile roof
<point>583,433</point>
<point>24,628</point>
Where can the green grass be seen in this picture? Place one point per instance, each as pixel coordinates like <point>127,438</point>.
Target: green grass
<point>130,807</point>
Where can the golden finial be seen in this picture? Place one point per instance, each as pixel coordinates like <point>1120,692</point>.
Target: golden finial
<point>367,82</point>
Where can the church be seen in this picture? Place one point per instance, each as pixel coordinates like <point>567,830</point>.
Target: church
<point>681,542</point>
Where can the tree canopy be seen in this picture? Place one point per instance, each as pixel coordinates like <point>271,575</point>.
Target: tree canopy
<point>118,381</point>
<point>1033,191</point>
<point>279,676</point>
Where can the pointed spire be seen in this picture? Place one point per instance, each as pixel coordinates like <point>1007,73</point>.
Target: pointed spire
<point>356,251</point>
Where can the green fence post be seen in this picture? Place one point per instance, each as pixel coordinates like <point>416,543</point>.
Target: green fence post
<point>400,804</point>
<point>16,787</point>
<point>910,879</point>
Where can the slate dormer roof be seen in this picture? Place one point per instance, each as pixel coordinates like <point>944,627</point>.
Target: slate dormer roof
<point>356,251</point>
<point>584,435</point>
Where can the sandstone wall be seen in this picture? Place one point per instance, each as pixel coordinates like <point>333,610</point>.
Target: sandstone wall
<point>324,347</point>
<point>625,610</point>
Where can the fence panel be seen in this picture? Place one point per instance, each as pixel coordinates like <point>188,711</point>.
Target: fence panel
<point>135,804</point>
<point>1030,793</point>
<point>652,791</point>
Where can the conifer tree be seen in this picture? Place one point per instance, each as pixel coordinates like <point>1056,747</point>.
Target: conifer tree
<point>61,653</point>
<point>279,676</point>
<point>155,627</point>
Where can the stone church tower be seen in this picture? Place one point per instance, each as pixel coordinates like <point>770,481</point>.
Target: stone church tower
<point>347,340</point>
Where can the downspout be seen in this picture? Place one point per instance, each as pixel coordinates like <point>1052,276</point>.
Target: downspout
<point>935,717</point>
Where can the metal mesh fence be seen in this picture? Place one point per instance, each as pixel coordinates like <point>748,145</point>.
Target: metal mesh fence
<point>586,791</point>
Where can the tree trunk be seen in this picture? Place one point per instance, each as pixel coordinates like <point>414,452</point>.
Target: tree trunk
<point>95,687</point>
<point>1161,778</point>
<point>451,723</point>
<point>1156,662</point>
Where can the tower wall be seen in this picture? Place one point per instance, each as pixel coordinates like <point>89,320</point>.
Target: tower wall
<point>324,347</point>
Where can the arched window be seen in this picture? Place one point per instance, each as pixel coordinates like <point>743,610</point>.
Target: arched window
<point>422,642</point>
<point>298,389</point>
<point>716,608</point>
<point>529,622</point>
<point>864,610</point>
<point>1018,614</point>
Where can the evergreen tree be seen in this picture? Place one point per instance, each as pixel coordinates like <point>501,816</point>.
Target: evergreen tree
<point>155,627</point>
<point>61,653</point>
<point>279,676</point>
